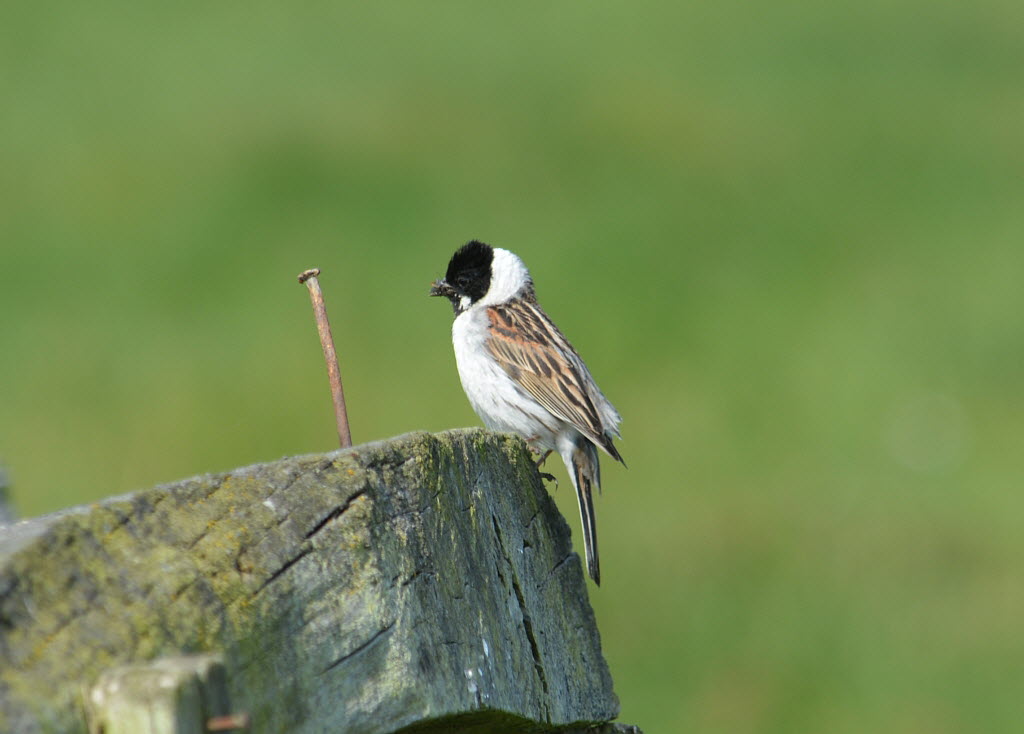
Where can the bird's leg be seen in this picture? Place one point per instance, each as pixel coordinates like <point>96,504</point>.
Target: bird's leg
<point>540,462</point>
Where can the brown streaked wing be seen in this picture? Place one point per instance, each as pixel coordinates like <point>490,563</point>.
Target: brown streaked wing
<point>529,348</point>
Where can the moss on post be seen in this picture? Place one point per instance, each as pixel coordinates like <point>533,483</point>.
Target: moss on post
<point>396,584</point>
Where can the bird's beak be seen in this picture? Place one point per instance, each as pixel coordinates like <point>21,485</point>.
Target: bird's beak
<point>440,287</point>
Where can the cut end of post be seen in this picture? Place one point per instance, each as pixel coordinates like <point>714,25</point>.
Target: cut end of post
<point>307,274</point>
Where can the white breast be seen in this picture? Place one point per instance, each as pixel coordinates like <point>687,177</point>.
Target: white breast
<point>501,404</point>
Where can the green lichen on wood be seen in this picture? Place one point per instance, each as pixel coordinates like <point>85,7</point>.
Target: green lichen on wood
<point>365,590</point>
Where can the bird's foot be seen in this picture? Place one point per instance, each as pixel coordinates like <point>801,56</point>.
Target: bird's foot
<point>544,454</point>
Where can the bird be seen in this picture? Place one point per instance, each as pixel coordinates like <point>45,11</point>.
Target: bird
<point>522,376</point>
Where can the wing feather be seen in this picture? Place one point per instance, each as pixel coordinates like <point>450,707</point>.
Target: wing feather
<point>537,356</point>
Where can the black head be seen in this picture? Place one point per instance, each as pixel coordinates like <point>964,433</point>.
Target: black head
<point>468,275</point>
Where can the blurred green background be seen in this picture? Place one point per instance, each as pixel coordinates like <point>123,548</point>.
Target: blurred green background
<point>787,237</point>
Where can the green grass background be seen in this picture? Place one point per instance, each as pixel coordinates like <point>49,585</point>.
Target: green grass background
<point>787,237</point>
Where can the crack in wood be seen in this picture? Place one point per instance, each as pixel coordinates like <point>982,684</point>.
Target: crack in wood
<point>335,513</point>
<point>366,645</point>
<point>554,569</point>
<point>280,571</point>
<point>538,664</point>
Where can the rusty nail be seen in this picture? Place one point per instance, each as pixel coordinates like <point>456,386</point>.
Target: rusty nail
<point>323,327</point>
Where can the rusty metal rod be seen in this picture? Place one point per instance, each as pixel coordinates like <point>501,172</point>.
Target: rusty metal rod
<point>323,327</point>
<point>230,722</point>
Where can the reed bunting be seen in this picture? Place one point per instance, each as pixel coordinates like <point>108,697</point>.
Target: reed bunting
<point>522,375</point>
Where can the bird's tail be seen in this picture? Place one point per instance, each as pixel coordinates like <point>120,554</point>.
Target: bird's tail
<point>585,472</point>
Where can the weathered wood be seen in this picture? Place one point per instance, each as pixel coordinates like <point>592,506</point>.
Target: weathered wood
<point>7,514</point>
<point>426,581</point>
